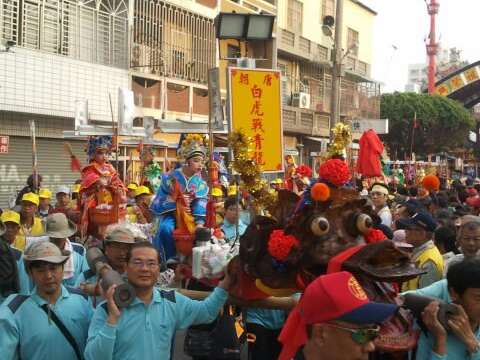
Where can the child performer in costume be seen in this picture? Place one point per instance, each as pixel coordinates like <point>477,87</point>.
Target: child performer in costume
<point>182,195</point>
<point>102,197</point>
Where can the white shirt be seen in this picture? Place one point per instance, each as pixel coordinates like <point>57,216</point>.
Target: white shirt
<point>385,215</point>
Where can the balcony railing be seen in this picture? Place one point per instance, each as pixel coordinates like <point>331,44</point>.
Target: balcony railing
<point>293,43</point>
<point>357,100</point>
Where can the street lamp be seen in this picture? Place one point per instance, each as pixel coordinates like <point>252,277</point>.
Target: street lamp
<point>244,27</point>
<point>241,26</point>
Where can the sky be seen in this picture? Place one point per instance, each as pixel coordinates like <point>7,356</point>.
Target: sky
<point>405,24</point>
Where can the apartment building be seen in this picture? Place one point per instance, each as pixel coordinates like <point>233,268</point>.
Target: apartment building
<point>304,57</point>
<point>61,51</point>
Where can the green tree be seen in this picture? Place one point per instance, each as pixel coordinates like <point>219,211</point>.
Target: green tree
<point>443,124</point>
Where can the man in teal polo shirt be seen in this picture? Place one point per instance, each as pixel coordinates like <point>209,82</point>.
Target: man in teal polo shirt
<point>31,325</point>
<point>58,228</point>
<point>118,239</point>
<point>145,329</point>
<point>462,339</point>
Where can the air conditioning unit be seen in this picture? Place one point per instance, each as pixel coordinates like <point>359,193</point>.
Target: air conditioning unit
<point>301,100</point>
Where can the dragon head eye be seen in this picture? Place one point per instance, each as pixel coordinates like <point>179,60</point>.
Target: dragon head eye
<point>364,223</point>
<point>320,226</point>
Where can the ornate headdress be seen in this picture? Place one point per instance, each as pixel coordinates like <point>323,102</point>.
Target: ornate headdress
<point>192,145</point>
<point>99,142</point>
<point>342,137</point>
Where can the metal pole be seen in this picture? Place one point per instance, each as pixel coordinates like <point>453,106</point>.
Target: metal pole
<point>432,46</point>
<point>337,66</point>
<point>114,132</point>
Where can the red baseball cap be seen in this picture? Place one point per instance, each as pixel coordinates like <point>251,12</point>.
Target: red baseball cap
<point>472,192</point>
<point>336,296</point>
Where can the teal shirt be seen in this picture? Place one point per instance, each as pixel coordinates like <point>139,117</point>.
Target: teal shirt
<point>230,230</point>
<point>27,333</point>
<point>269,319</point>
<point>146,331</point>
<point>456,350</point>
<point>79,264</point>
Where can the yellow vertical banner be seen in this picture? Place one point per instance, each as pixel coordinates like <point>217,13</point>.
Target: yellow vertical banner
<point>255,108</point>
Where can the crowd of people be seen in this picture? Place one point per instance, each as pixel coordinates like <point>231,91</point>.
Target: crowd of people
<point>53,301</point>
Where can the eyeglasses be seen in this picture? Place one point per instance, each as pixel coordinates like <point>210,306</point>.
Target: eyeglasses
<point>139,264</point>
<point>360,336</point>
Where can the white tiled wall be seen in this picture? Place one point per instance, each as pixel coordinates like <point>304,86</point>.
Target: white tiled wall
<point>41,83</point>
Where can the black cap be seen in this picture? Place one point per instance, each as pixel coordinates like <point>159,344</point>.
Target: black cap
<point>202,235</point>
<point>420,219</point>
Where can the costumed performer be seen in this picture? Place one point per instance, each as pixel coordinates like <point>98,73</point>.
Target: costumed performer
<point>182,196</point>
<point>102,199</point>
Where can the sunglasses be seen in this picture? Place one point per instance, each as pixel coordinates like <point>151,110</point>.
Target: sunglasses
<point>360,336</point>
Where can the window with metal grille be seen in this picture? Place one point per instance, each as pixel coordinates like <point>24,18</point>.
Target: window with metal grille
<point>171,41</point>
<point>92,30</point>
<point>353,42</point>
<point>295,16</point>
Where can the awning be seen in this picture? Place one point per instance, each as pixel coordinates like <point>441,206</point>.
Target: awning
<point>321,140</point>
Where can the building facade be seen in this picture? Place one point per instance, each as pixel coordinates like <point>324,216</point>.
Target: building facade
<point>448,61</point>
<point>304,58</point>
<point>61,51</point>
<point>67,50</point>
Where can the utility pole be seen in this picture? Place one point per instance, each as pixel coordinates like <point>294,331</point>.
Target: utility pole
<point>432,46</point>
<point>337,66</point>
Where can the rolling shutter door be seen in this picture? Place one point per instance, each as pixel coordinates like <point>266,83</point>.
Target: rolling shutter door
<point>53,165</point>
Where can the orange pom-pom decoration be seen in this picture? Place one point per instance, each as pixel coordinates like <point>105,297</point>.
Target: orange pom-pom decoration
<point>320,192</point>
<point>431,183</point>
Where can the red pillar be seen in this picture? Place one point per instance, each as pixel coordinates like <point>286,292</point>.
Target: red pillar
<point>432,46</point>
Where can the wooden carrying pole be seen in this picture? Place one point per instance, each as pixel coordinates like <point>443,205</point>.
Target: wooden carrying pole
<point>34,156</point>
<point>279,303</point>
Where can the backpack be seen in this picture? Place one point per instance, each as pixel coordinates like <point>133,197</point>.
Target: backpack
<point>222,342</point>
<point>9,282</point>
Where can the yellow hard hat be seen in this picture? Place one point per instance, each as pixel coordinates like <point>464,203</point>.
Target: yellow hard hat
<point>12,216</point>
<point>217,192</point>
<point>76,188</point>
<point>278,181</point>
<point>45,193</point>
<point>232,190</point>
<point>132,186</point>
<point>31,197</point>
<point>140,190</point>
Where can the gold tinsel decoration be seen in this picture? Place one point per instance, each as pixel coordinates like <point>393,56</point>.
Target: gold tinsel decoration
<point>250,172</point>
<point>342,137</point>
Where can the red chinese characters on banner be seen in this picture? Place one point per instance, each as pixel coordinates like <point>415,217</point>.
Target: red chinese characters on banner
<point>267,80</point>
<point>257,114</point>
<point>243,79</point>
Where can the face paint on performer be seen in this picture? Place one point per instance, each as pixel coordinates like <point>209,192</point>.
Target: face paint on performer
<point>195,164</point>
<point>100,156</point>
